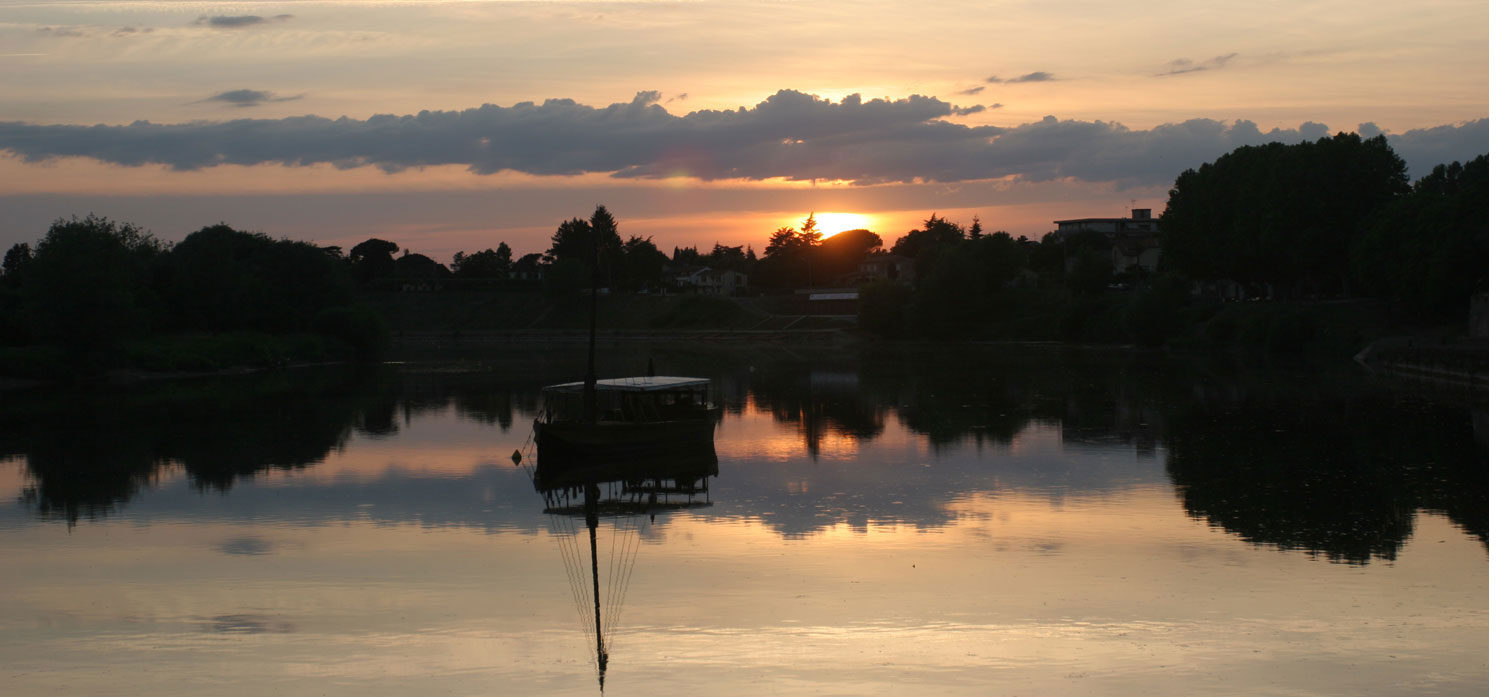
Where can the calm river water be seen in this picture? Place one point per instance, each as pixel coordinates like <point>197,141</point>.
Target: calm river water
<point>989,520</point>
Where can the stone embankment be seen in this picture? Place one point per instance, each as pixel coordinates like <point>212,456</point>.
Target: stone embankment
<point>1461,362</point>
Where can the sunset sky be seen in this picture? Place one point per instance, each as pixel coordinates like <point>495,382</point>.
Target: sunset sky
<point>447,125</point>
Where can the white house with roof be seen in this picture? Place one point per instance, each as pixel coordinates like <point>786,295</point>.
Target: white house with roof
<point>709,281</point>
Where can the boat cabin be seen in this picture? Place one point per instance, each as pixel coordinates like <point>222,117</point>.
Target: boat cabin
<point>629,400</point>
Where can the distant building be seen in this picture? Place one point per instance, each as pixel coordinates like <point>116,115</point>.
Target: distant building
<point>709,281</point>
<point>1135,239</point>
<point>892,267</point>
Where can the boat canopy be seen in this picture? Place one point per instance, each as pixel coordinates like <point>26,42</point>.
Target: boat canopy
<point>656,383</point>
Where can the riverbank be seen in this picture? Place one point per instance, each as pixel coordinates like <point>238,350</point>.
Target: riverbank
<point>422,323</point>
<point>168,355</point>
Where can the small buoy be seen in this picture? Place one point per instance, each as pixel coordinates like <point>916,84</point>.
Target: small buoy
<point>516,457</point>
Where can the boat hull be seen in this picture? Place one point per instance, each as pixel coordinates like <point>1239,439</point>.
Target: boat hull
<point>624,441</point>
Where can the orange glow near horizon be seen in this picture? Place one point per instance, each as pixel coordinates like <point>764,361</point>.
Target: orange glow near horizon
<point>832,223</point>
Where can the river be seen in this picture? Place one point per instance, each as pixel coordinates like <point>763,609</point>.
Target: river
<point>978,520</point>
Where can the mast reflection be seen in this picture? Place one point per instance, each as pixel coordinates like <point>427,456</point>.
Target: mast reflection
<point>629,492</point>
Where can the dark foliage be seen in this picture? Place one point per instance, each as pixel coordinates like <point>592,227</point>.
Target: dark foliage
<point>790,258</point>
<point>96,289</point>
<point>222,279</point>
<point>373,259</point>
<point>934,232</point>
<point>1281,217</point>
<point>883,307</point>
<point>1430,248</point>
<point>641,264</point>
<point>488,264</point>
<point>92,285</point>
<point>839,255</point>
<point>420,267</point>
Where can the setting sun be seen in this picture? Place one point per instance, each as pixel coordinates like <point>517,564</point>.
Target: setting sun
<point>833,223</point>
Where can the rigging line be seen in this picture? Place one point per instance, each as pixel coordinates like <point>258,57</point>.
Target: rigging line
<point>582,576</point>
<point>613,573</point>
<point>576,580</point>
<point>621,542</point>
<point>572,582</point>
<point>614,559</point>
<point>624,587</point>
<point>621,538</point>
<point>629,570</point>
<point>626,566</point>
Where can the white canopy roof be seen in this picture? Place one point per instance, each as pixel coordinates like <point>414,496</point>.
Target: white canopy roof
<point>641,384</point>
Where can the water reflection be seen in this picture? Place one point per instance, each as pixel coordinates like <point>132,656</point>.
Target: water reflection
<point>87,453</point>
<point>1336,465</point>
<point>630,493</point>
<point>1333,473</point>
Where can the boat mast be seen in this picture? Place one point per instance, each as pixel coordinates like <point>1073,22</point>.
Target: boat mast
<point>590,378</point>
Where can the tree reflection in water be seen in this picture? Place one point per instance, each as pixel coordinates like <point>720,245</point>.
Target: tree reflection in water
<point>1333,463</point>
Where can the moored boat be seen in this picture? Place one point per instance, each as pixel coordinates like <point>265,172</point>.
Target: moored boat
<point>628,418</point>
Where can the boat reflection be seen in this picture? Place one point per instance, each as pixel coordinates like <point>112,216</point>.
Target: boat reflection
<point>629,492</point>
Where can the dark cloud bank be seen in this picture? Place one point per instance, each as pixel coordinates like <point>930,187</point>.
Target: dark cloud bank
<point>791,134</point>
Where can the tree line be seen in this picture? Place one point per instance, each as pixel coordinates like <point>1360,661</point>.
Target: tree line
<point>1332,219</point>
<point>91,286</point>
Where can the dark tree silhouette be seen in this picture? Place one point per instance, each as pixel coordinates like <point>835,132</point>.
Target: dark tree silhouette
<point>731,258</point>
<point>1284,217</point>
<point>789,257</point>
<point>935,231</point>
<point>574,240</point>
<point>419,267</point>
<point>373,258</point>
<point>90,285</point>
<point>642,265</point>
<point>840,254</point>
<point>1430,248</point>
<point>17,258</point>
<point>489,264</point>
<point>220,279</point>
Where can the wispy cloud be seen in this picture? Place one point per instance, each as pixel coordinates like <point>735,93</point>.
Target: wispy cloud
<point>238,21</point>
<point>1037,76</point>
<point>789,135</point>
<point>1181,66</point>
<point>678,98</point>
<point>64,32</point>
<point>248,98</point>
<point>972,91</point>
